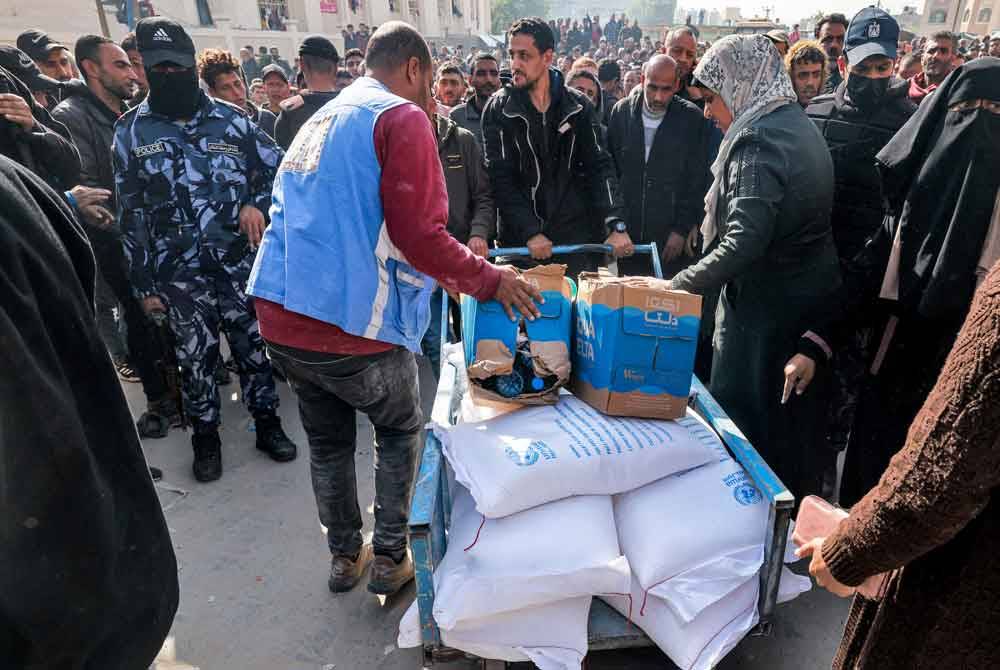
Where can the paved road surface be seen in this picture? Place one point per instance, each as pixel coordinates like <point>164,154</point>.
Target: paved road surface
<point>253,569</point>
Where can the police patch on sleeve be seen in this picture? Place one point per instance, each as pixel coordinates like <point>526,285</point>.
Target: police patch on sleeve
<point>149,149</point>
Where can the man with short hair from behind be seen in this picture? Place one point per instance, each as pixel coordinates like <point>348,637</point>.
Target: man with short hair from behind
<point>910,66</point>
<point>937,63</point>
<point>806,65</point>
<point>485,81</point>
<point>319,60</point>
<point>831,31</point>
<point>342,285</point>
<point>221,73</point>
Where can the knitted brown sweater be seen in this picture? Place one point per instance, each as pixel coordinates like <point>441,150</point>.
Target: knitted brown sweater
<point>935,514</point>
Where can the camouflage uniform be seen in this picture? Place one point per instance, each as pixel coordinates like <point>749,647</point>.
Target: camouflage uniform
<point>180,187</point>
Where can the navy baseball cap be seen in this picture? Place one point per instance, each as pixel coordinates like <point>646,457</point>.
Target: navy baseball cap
<point>872,32</point>
<point>161,40</point>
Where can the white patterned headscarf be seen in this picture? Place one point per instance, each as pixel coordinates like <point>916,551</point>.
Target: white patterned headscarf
<point>748,73</point>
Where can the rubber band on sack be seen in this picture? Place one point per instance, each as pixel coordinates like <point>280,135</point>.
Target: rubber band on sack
<point>482,523</point>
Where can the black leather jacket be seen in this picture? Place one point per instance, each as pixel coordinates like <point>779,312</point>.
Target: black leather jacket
<point>549,172</point>
<point>855,137</point>
<point>773,215</point>
<point>666,193</point>
<point>92,126</point>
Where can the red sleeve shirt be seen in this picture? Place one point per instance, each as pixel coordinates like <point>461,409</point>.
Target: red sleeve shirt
<point>415,207</point>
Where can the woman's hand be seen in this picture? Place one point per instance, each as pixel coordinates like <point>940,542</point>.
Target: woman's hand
<point>819,570</point>
<point>799,372</point>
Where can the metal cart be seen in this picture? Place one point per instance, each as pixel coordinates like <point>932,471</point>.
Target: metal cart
<point>430,508</point>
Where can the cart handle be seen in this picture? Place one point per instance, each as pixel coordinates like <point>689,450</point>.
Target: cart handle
<point>564,249</point>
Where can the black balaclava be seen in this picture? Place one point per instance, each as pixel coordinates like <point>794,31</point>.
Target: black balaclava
<point>867,93</point>
<point>174,95</point>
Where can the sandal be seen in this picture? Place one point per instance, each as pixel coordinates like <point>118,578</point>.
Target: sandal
<point>152,425</point>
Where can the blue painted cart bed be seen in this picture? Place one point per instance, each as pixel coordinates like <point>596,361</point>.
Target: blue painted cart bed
<point>431,505</point>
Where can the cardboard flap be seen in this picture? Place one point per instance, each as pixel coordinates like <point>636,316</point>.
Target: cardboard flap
<point>493,357</point>
<point>550,358</point>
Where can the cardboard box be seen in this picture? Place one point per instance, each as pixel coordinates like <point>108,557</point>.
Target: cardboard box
<point>635,343</point>
<point>490,338</point>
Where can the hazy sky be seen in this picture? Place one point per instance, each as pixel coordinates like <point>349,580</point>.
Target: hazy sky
<point>790,11</point>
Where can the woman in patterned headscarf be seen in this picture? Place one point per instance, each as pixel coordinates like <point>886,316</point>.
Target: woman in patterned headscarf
<point>769,248</point>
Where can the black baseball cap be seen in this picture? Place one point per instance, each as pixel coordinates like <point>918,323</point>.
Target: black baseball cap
<point>161,40</point>
<point>37,44</point>
<point>319,46</point>
<point>273,68</point>
<point>872,32</point>
<point>21,66</point>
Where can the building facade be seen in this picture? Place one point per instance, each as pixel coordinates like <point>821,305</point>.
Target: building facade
<point>977,17</point>
<point>231,24</point>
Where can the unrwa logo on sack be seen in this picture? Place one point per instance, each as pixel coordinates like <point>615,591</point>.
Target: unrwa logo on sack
<point>530,455</point>
<point>747,494</point>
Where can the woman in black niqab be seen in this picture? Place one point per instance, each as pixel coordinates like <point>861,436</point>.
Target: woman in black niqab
<point>940,178</point>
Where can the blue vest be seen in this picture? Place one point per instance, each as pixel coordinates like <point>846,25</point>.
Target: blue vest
<point>327,253</point>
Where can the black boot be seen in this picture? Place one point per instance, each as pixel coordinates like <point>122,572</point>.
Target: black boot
<point>207,465</point>
<point>271,439</point>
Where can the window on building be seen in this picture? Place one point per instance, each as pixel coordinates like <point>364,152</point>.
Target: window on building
<point>938,16</point>
<point>273,14</point>
<point>985,15</point>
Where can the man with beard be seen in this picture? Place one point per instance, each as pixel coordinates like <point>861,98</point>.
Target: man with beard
<point>135,58</point>
<point>342,284</point>
<point>319,59</point>
<point>552,181</point>
<point>937,62</point>
<point>221,74</point>
<point>51,58</point>
<point>806,65</point>
<point>485,82</point>
<point>90,111</point>
<point>830,32</point>
<point>448,88</point>
<point>193,180</point>
<point>663,195</point>
<point>857,120</point>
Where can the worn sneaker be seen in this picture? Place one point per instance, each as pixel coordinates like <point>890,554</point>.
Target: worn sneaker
<point>345,572</point>
<point>271,438</point>
<point>388,576</point>
<point>125,371</point>
<point>207,465</point>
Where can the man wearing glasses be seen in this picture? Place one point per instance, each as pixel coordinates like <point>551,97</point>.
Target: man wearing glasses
<point>485,81</point>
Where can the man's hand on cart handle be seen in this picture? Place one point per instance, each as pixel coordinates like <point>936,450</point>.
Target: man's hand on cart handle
<point>799,372</point>
<point>513,292</point>
<point>820,571</point>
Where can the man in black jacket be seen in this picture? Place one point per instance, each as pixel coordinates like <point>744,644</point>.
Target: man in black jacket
<point>28,133</point>
<point>89,112</point>
<point>552,181</point>
<point>857,120</point>
<point>658,142</point>
<point>319,59</point>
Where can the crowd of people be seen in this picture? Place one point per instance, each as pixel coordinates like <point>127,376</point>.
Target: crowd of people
<point>834,201</point>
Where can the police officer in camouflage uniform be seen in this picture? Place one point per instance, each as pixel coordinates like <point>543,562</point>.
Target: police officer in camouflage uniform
<point>193,177</point>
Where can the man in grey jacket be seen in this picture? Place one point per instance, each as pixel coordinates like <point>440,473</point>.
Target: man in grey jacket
<point>90,112</point>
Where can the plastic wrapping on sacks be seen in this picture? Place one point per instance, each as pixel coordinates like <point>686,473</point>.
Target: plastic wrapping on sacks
<point>538,454</point>
<point>552,636</point>
<point>701,643</point>
<point>695,536</point>
<point>564,549</point>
